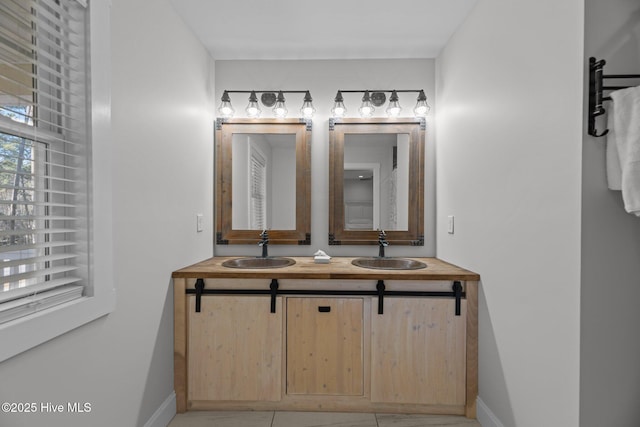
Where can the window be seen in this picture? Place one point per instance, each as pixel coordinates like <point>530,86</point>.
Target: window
<point>44,156</point>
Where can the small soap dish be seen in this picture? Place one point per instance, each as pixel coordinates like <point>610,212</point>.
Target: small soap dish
<point>321,257</point>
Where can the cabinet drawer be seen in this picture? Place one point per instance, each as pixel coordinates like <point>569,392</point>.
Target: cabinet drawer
<point>325,346</point>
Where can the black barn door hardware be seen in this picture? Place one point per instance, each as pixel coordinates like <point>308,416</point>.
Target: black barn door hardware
<point>457,290</point>
<point>274,293</point>
<point>380,292</point>
<point>380,287</point>
<point>199,288</point>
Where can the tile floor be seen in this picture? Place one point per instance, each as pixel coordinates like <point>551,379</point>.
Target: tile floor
<point>315,419</point>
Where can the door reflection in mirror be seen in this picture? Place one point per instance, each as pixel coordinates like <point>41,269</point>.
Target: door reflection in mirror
<point>376,181</point>
<point>264,181</point>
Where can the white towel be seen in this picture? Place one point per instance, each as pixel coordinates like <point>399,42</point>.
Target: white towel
<point>626,130</point>
<point>614,172</point>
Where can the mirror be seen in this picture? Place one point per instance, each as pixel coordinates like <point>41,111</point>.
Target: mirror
<point>263,173</point>
<point>376,170</point>
<point>263,181</point>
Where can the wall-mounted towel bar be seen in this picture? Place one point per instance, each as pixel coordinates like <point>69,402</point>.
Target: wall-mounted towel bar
<point>596,89</point>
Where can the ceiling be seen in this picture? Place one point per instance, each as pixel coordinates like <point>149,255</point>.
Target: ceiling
<point>323,29</point>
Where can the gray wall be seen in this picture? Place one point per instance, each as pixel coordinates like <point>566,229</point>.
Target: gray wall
<point>509,134</point>
<point>162,116</point>
<point>610,347</point>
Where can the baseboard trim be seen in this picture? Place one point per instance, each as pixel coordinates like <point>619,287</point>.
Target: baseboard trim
<point>164,414</point>
<point>486,418</point>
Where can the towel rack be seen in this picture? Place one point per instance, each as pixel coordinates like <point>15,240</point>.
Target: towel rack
<point>596,89</point>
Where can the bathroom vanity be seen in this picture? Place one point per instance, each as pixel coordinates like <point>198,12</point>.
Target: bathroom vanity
<point>326,337</point>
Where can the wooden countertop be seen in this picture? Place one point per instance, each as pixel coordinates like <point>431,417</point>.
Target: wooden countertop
<point>338,268</point>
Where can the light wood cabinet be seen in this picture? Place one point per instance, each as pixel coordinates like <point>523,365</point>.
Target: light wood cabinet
<point>418,352</point>
<point>314,341</point>
<point>234,349</point>
<point>325,345</point>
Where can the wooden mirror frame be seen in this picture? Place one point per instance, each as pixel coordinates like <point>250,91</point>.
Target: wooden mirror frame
<point>338,235</point>
<point>225,128</point>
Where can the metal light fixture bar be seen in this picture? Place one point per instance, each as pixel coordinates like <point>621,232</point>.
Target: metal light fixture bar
<point>376,97</point>
<point>381,91</point>
<point>269,98</point>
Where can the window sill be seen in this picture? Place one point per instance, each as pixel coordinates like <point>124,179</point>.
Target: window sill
<point>27,332</point>
<point>29,305</point>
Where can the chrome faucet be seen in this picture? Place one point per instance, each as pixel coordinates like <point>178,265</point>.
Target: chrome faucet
<point>264,241</point>
<point>382,242</point>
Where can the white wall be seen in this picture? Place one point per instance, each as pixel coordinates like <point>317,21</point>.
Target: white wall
<point>509,123</point>
<point>610,348</point>
<point>162,116</point>
<point>323,79</point>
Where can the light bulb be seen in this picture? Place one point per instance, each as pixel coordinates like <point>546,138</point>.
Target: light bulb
<point>253,109</point>
<point>307,109</point>
<point>307,112</point>
<point>394,108</point>
<point>366,109</point>
<point>422,108</point>
<point>338,109</point>
<point>280,109</point>
<point>225,109</point>
<point>393,111</point>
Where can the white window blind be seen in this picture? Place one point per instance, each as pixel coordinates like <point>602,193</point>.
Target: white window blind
<point>258,190</point>
<point>44,151</point>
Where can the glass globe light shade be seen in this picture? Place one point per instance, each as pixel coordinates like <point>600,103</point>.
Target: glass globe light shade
<point>338,109</point>
<point>307,109</point>
<point>225,109</point>
<point>366,108</point>
<point>253,109</point>
<point>280,109</point>
<point>422,108</point>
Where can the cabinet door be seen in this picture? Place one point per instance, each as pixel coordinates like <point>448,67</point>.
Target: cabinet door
<point>325,346</point>
<point>418,352</point>
<point>235,349</point>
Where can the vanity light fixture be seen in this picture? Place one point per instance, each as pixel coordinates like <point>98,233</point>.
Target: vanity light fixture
<point>269,99</point>
<point>375,98</point>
